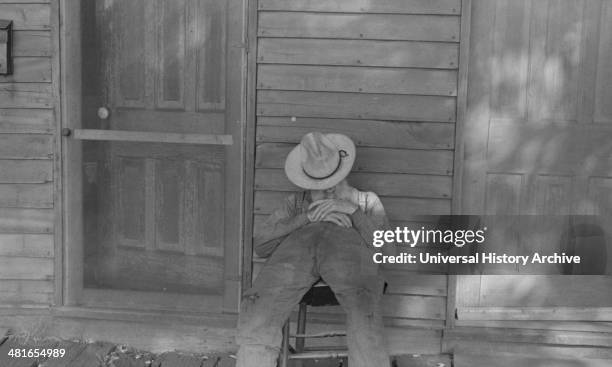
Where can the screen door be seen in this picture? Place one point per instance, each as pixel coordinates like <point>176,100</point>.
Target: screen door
<point>158,152</point>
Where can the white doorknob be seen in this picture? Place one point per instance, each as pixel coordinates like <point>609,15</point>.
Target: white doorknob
<point>103,113</point>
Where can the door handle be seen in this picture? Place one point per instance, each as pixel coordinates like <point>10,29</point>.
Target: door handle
<point>103,113</point>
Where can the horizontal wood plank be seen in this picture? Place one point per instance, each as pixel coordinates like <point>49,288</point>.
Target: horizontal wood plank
<point>26,95</point>
<point>526,349</point>
<point>434,162</point>
<point>356,105</point>
<point>26,268</point>
<point>406,209</point>
<point>26,292</point>
<point>399,282</point>
<point>357,79</point>
<point>542,290</point>
<point>397,208</point>
<point>25,298</point>
<point>404,306</point>
<point>25,120</point>
<point>29,70</point>
<point>398,340</point>
<point>598,327</point>
<point>32,43</point>
<point>26,195</point>
<point>380,6</point>
<point>559,337</point>
<point>18,220</point>
<point>369,133</point>
<point>26,245</point>
<point>479,360</point>
<point>27,16</point>
<point>26,146</point>
<point>536,313</point>
<point>127,299</point>
<point>433,55</point>
<point>359,26</point>
<point>26,286</point>
<point>26,171</point>
<point>381,183</point>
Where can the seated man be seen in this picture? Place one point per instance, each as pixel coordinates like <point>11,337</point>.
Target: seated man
<point>323,232</point>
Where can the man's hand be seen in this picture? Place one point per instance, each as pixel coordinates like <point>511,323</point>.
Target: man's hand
<point>340,219</point>
<point>322,208</point>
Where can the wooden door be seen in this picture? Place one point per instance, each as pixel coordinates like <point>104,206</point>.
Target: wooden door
<point>162,210</point>
<point>537,136</point>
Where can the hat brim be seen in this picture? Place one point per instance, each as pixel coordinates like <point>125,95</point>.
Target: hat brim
<point>296,174</point>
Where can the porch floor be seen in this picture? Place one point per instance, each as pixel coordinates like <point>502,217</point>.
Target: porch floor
<point>100,354</point>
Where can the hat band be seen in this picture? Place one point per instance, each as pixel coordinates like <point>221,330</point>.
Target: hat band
<point>342,153</point>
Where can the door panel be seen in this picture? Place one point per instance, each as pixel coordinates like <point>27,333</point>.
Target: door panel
<point>534,141</point>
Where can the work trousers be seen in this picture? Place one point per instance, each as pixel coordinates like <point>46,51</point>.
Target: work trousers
<point>318,250</point>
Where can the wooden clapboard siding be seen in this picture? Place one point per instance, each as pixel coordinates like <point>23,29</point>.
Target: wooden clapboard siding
<point>381,6</point>
<point>26,146</point>
<point>26,121</point>
<point>26,268</point>
<point>433,162</point>
<point>26,220</point>
<point>359,26</point>
<point>26,171</point>
<point>26,95</point>
<point>365,133</point>
<point>29,69</point>
<point>308,51</point>
<point>26,195</point>
<point>358,79</point>
<point>27,16</point>
<point>385,74</point>
<point>26,245</point>
<point>356,105</point>
<point>31,43</point>
<point>26,291</point>
<point>383,184</point>
<point>27,151</point>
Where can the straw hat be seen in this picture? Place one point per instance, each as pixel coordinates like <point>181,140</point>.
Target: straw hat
<point>320,161</point>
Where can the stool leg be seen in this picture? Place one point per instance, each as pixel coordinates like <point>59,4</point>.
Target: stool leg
<point>284,355</point>
<point>301,327</point>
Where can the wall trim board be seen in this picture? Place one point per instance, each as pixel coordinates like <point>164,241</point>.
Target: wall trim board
<point>58,197</point>
<point>462,91</point>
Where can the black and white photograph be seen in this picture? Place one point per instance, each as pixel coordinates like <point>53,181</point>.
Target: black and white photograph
<point>305,183</point>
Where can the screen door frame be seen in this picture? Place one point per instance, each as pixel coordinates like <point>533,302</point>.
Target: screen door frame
<point>236,167</point>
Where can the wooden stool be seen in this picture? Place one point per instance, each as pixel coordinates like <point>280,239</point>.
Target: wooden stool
<point>319,295</point>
